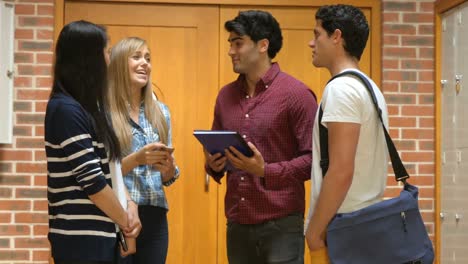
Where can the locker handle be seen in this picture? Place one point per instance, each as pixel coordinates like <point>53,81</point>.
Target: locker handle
<point>458,78</point>
<point>442,216</point>
<point>10,74</point>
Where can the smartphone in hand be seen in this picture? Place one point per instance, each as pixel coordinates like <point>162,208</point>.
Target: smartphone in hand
<point>169,149</point>
<point>122,242</point>
<point>165,148</point>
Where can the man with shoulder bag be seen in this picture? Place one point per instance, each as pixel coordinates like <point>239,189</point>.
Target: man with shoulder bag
<point>348,221</point>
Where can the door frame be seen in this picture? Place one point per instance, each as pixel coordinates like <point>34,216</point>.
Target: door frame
<point>441,6</point>
<point>373,5</point>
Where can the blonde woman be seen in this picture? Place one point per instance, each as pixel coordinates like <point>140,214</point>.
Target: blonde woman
<point>142,126</point>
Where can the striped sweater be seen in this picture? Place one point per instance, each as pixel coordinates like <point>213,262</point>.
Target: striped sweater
<point>77,166</point>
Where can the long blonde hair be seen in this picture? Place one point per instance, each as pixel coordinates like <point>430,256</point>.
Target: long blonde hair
<point>119,95</point>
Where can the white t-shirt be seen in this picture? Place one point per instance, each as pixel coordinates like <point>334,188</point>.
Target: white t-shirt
<point>346,99</point>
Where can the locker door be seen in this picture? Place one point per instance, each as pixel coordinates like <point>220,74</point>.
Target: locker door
<point>461,107</point>
<point>454,143</point>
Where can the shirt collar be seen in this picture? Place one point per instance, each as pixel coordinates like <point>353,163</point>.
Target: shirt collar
<point>141,114</point>
<point>265,81</point>
<point>271,74</point>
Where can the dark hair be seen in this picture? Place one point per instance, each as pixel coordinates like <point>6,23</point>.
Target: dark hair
<point>258,25</point>
<point>80,71</point>
<point>350,21</point>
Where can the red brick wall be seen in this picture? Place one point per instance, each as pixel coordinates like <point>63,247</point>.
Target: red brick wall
<point>408,52</point>
<point>23,193</point>
<point>408,84</point>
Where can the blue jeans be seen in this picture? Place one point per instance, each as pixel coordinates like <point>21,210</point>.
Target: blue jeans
<point>153,240</point>
<point>279,241</point>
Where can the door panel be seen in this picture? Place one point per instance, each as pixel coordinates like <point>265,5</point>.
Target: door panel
<point>183,43</point>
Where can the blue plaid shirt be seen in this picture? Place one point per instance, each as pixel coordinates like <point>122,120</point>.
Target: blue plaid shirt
<point>144,183</point>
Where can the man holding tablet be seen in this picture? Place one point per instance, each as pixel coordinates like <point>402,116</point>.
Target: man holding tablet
<point>274,113</point>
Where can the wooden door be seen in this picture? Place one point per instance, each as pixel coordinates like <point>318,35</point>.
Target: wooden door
<point>295,58</point>
<point>183,42</point>
<point>189,49</point>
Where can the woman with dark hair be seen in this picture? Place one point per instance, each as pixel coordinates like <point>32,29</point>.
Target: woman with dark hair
<point>79,144</point>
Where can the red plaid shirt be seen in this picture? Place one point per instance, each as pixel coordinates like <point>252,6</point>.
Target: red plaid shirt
<point>278,121</point>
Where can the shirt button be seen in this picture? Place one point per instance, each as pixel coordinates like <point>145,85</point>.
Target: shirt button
<point>247,96</point>
<point>266,86</point>
<point>242,178</point>
<point>242,199</point>
<point>244,136</point>
<point>247,115</point>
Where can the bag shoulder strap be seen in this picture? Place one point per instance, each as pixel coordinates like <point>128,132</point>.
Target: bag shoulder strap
<point>398,168</point>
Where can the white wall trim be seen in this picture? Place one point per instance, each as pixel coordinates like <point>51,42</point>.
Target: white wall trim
<point>7,32</point>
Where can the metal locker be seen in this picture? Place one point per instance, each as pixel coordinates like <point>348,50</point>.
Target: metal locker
<point>454,138</point>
